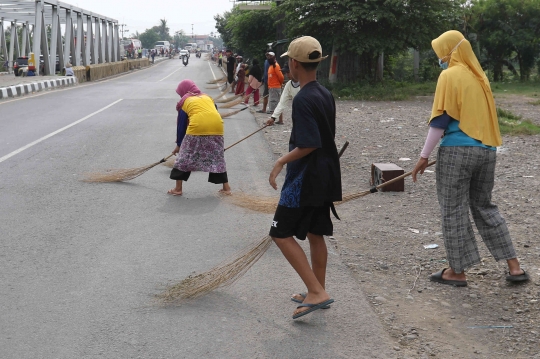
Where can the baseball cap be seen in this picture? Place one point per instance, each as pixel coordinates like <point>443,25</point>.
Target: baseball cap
<point>305,49</point>
<point>271,53</point>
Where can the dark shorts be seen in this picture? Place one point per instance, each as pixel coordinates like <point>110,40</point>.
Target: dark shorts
<point>299,222</point>
<point>265,92</point>
<point>216,178</point>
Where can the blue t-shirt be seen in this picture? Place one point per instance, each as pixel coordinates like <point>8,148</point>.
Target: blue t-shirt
<point>313,180</point>
<point>453,136</point>
<point>266,67</point>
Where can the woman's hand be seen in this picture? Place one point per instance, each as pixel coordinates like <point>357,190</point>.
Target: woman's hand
<point>176,150</point>
<point>275,172</point>
<point>420,167</point>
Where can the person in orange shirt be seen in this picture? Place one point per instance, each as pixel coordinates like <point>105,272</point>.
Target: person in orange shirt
<point>275,81</point>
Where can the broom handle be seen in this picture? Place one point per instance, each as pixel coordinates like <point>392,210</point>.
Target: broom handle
<point>343,148</point>
<point>166,158</point>
<point>260,129</point>
<point>393,180</point>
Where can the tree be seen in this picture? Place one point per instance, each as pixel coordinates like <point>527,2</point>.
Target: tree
<point>149,38</point>
<point>508,29</point>
<point>180,39</point>
<point>162,30</point>
<point>369,28</point>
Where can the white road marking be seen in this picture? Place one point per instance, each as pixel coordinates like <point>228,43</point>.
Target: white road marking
<point>213,74</point>
<point>2,159</point>
<point>172,73</point>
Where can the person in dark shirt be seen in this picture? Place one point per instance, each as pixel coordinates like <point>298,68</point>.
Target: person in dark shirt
<point>231,64</point>
<point>313,178</point>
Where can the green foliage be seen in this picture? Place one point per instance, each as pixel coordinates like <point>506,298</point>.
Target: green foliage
<point>180,39</point>
<point>387,91</point>
<point>149,38</point>
<point>530,88</point>
<point>511,124</point>
<point>508,30</point>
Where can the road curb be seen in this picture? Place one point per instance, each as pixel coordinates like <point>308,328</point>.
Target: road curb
<point>24,89</point>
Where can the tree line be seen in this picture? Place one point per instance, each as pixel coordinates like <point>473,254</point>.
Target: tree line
<point>504,33</point>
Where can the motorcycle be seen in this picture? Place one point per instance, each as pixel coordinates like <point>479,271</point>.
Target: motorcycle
<point>185,60</point>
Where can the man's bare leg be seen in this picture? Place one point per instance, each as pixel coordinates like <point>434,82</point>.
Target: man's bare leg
<point>265,103</point>
<point>319,259</point>
<point>297,258</point>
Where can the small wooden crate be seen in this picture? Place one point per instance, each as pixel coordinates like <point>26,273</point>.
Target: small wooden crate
<point>382,172</point>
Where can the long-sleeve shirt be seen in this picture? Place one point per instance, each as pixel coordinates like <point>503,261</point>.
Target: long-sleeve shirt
<point>289,91</point>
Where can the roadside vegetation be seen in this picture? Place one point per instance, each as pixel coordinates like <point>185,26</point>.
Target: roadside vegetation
<point>511,124</point>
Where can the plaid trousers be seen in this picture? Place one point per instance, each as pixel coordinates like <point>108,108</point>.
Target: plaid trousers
<point>465,179</point>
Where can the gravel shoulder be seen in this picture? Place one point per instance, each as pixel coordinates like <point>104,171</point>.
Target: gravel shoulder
<point>381,237</point>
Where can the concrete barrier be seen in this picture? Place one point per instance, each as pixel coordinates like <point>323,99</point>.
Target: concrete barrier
<point>80,73</point>
<point>101,71</point>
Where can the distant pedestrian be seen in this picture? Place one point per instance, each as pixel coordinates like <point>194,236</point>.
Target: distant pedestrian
<point>220,60</point>
<point>231,61</point>
<point>254,82</point>
<point>275,81</point>
<point>465,113</point>
<point>292,87</point>
<point>241,80</point>
<point>69,70</point>
<point>153,55</point>
<point>268,55</point>
<point>199,139</point>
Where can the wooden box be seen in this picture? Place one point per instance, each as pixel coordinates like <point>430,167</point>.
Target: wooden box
<point>382,172</point>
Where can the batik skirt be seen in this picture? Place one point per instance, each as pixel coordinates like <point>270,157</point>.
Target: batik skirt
<point>201,153</point>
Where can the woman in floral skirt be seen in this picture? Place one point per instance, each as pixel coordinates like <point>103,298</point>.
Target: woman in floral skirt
<point>199,139</point>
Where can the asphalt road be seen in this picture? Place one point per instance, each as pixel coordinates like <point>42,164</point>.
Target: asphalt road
<point>80,263</point>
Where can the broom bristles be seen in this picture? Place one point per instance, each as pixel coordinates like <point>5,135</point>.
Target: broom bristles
<point>233,103</point>
<point>170,162</point>
<point>222,275</point>
<point>117,175</point>
<point>217,80</point>
<point>224,92</point>
<point>227,99</point>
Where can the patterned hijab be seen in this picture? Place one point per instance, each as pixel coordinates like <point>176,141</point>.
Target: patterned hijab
<point>185,89</point>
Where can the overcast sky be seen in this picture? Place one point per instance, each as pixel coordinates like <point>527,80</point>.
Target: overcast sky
<point>141,15</point>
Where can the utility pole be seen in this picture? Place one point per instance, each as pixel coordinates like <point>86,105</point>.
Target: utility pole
<point>122,31</point>
<point>192,31</point>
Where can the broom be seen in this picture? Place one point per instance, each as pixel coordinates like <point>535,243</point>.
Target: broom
<point>222,275</point>
<point>224,92</point>
<point>230,104</point>
<point>233,112</point>
<point>226,99</point>
<point>224,78</point>
<point>120,175</point>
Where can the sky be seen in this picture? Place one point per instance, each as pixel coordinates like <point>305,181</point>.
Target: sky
<point>139,15</point>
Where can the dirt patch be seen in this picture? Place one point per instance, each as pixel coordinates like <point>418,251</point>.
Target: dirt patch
<point>381,237</point>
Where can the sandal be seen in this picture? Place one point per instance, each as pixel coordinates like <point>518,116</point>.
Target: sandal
<point>518,278</point>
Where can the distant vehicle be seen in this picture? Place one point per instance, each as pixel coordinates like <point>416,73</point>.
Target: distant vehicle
<point>184,53</point>
<point>131,45</point>
<point>165,45</point>
<point>187,47</point>
<point>19,64</point>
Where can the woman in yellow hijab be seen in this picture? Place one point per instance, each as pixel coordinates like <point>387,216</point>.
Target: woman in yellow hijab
<point>464,114</point>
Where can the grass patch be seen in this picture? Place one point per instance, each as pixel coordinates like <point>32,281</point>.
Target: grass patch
<point>511,124</point>
<point>530,88</point>
<point>535,103</point>
<point>387,91</point>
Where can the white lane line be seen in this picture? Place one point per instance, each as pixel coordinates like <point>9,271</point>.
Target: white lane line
<point>172,73</point>
<point>2,159</point>
<point>212,70</point>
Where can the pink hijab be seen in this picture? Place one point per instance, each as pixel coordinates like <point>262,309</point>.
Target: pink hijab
<point>185,89</point>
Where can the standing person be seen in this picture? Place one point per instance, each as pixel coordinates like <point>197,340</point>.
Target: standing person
<point>199,139</point>
<point>275,81</point>
<point>230,67</point>
<point>464,111</point>
<point>292,87</point>
<point>254,82</point>
<point>313,179</point>
<point>220,59</point>
<point>153,55</point>
<point>241,80</point>
<point>265,81</point>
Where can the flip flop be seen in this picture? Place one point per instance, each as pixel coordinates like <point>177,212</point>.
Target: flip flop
<point>301,301</point>
<point>437,277</point>
<point>173,194</point>
<point>518,278</point>
<point>312,308</point>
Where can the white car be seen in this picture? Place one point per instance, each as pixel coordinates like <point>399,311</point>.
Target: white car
<point>184,53</point>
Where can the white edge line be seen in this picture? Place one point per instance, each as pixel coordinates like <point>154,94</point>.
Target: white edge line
<point>2,159</point>
<point>213,74</point>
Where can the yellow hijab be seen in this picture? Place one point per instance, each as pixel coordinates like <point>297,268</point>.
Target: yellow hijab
<point>463,90</point>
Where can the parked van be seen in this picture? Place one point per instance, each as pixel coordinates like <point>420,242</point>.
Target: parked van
<point>166,45</point>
